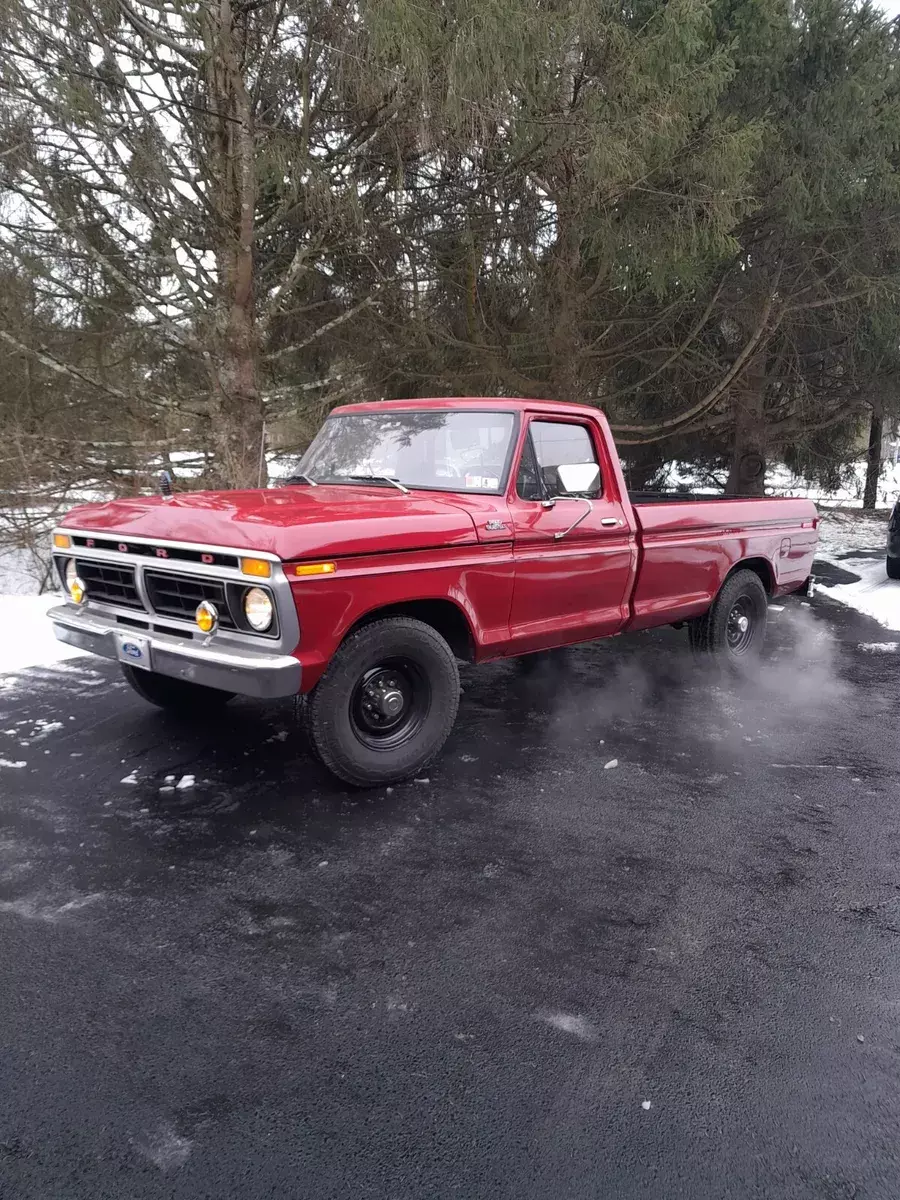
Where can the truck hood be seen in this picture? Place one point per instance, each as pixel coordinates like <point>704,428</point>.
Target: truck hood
<point>292,522</point>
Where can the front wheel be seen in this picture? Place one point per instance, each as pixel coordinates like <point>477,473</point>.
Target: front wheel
<point>735,625</point>
<point>177,695</point>
<point>893,567</point>
<point>386,705</point>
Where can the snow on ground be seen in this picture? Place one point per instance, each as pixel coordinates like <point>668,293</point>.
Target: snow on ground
<point>781,481</point>
<point>873,593</point>
<point>20,574</point>
<point>26,635</point>
<point>841,531</point>
<point>843,535</point>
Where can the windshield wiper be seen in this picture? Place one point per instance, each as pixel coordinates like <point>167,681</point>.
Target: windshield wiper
<point>305,478</point>
<point>382,478</point>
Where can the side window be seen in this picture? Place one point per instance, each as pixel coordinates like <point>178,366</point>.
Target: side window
<point>558,444</point>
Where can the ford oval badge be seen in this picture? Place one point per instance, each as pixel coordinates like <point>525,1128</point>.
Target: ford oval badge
<point>132,650</point>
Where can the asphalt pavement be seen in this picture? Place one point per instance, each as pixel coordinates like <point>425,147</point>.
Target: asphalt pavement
<point>635,935</point>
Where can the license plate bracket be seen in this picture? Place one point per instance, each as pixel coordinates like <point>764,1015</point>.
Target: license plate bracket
<point>135,650</point>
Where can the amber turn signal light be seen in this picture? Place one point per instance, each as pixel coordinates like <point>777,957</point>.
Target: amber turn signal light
<point>260,567</point>
<point>315,569</point>
<point>62,541</point>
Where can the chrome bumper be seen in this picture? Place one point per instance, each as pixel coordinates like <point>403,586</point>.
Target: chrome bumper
<point>248,672</point>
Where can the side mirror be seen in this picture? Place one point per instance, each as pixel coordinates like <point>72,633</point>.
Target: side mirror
<point>578,478</point>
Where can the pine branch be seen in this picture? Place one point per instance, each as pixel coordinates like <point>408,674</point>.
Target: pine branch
<point>321,331</point>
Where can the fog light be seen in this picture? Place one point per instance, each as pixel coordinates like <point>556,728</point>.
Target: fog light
<point>258,609</point>
<point>74,586</point>
<point>206,616</point>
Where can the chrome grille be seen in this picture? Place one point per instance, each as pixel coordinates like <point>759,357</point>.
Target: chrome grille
<point>109,583</point>
<point>173,595</point>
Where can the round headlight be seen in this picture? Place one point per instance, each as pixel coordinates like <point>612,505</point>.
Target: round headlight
<point>74,585</point>
<point>258,609</point>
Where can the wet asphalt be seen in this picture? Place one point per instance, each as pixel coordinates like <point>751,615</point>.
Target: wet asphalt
<point>637,933</point>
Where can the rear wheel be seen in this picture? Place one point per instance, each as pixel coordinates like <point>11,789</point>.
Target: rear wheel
<point>893,567</point>
<point>735,625</point>
<point>177,695</point>
<point>386,705</point>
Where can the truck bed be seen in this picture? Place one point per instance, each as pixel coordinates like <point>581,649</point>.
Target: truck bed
<point>689,543</point>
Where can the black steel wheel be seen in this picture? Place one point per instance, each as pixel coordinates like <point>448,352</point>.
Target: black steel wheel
<point>735,625</point>
<point>177,695</point>
<point>386,704</point>
<point>390,703</point>
<point>893,567</point>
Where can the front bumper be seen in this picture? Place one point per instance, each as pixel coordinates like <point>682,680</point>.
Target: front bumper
<point>229,668</point>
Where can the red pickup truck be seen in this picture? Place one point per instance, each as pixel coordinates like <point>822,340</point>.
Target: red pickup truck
<point>416,534</point>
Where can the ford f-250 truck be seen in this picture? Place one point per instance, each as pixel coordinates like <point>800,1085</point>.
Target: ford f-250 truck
<point>416,534</point>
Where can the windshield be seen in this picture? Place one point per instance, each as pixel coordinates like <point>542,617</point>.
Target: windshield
<point>450,451</point>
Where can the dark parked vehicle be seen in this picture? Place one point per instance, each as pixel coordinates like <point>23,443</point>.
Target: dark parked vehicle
<point>893,543</point>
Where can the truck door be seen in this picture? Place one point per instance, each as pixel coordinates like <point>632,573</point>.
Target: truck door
<point>575,555</point>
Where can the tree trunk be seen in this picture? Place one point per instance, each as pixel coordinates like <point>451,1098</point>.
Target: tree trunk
<point>236,404</point>
<point>873,460</point>
<point>564,375</point>
<point>747,476</point>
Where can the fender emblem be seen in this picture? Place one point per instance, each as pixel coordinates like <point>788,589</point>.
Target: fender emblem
<point>493,526</point>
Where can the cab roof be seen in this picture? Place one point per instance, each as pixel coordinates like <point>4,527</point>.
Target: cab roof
<point>482,403</point>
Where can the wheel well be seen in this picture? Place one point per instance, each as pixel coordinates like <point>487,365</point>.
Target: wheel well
<point>761,567</point>
<point>442,615</point>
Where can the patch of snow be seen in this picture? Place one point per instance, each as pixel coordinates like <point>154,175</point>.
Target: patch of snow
<point>806,767</point>
<point>570,1023</point>
<point>43,729</point>
<point>21,574</point>
<point>26,635</point>
<point>5,762</point>
<point>186,781</point>
<point>645,1105</point>
<point>873,593</point>
<point>842,532</point>
<point>131,778</point>
<point>43,908</point>
<point>879,647</point>
<point>164,1148</point>
<point>781,481</point>
<point>613,762</point>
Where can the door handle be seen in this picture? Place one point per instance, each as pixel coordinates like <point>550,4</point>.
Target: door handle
<point>609,521</point>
